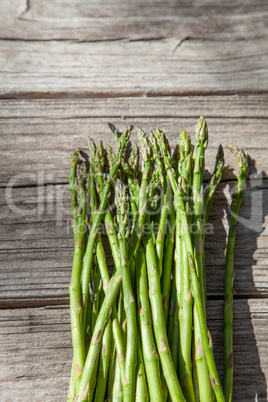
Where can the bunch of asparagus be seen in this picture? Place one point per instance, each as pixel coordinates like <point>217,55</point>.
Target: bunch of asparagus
<point>139,332</point>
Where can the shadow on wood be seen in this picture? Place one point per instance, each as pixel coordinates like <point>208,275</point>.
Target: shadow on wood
<point>249,378</point>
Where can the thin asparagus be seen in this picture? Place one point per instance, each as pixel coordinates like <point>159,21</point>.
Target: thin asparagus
<point>136,236</point>
<point>151,358</point>
<point>186,300</point>
<point>104,363</point>
<point>75,284</point>
<point>129,300</point>
<point>141,394</point>
<point>229,273</point>
<point>168,257</point>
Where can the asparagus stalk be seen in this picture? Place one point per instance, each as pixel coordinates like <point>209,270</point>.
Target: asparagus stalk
<point>117,385</point>
<point>229,273</point>
<point>186,300</point>
<point>168,257</point>
<point>111,373</point>
<point>151,358</point>
<point>95,344</point>
<point>217,175</point>
<point>201,140</point>
<point>160,238</point>
<point>136,236</point>
<point>75,160</point>
<point>206,345</point>
<point>104,363</point>
<point>171,311</point>
<point>72,185</point>
<point>158,319</point>
<point>75,284</point>
<point>141,394</point>
<point>97,287</point>
<point>71,390</point>
<point>119,345</point>
<point>174,338</point>
<point>130,307</point>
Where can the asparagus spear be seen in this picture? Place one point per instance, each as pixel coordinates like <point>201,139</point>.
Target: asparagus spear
<point>168,256</point>
<point>117,386</point>
<point>186,300</point>
<point>217,175</point>
<point>130,307</point>
<point>136,236</point>
<point>171,311</point>
<point>201,140</point>
<point>160,238</point>
<point>141,394</point>
<point>75,284</point>
<point>75,160</point>
<point>151,358</point>
<point>168,280</point>
<point>229,273</point>
<point>119,345</point>
<point>95,344</point>
<point>72,185</point>
<point>206,345</point>
<point>104,363</point>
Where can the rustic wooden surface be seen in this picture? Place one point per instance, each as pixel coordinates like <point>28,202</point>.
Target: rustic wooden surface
<point>68,68</point>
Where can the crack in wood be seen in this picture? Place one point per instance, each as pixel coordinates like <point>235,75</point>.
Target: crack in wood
<point>181,42</point>
<point>108,95</point>
<point>27,8</point>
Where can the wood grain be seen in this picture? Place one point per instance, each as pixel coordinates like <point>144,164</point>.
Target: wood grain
<point>28,128</point>
<point>178,48</point>
<point>136,20</point>
<point>38,368</point>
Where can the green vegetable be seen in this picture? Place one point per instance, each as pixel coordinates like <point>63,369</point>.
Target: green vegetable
<point>137,303</point>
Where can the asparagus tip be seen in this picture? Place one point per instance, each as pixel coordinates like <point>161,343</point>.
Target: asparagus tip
<point>201,130</point>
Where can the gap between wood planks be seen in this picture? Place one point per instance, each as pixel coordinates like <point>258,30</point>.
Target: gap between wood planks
<point>18,304</point>
<point>106,95</point>
<point>65,183</point>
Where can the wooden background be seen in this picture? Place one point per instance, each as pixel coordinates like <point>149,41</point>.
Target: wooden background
<point>68,68</point>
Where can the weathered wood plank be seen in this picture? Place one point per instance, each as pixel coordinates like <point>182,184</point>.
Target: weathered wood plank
<point>37,367</point>
<point>102,20</point>
<point>125,67</point>
<point>28,128</point>
<point>49,49</point>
